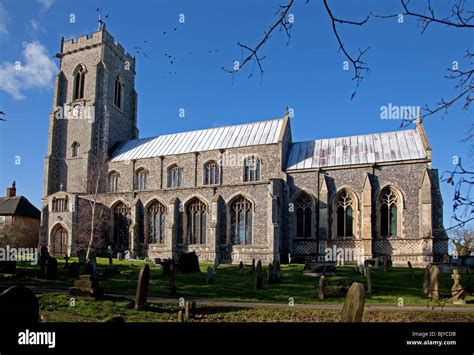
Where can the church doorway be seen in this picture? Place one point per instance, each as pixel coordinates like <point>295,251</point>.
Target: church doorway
<point>59,241</point>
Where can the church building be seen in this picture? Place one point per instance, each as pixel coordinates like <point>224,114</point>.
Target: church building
<point>235,193</point>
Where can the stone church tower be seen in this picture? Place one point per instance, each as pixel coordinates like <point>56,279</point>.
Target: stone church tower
<point>94,107</point>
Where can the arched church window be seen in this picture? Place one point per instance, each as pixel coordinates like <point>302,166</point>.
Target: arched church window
<point>211,173</point>
<point>118,92</point>
<point>75,149</point>
<point>241,221</point>
<point>79,81</point>
<point>141,179</point>
<point>345,215</point>
<point>196,222</point>
<point>174,176</point>
<point>388,213</point>
<point>252,167</point>
<point>121,224</point>
<point>303,210</point>
<point>156,219</point>
<point>113,181</point>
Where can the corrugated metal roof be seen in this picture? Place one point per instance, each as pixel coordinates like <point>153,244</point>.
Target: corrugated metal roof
<point>265,132</point>
<point>370,148</point>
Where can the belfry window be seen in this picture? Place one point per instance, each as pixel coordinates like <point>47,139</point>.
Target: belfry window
<point>79,81</point>
<point>75,149</point>
<point>118,92</point>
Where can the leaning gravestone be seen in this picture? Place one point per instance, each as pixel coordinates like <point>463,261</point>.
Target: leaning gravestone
<point>457,291</point>
<point>142,286</point>
<point>241,268</point>
<point>270,276</point>
<point>434,283</point>
<point>321,287</point>
<point>353,308</point>
<point>412,272</point>
<point>19,305</point>
<point>210,275</point>
<point>81,255</point>
<point>74,270</point>
<point>51,268</point>
<point>259,276</point>
<point>426,280</point>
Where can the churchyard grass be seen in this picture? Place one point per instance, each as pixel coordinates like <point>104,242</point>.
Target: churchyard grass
<point>389,288</point>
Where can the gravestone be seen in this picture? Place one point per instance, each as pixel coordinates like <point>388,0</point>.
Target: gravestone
<point>241,268</point>
<point>369,280</point>
<point>188,263</point>
<point>19,305</point>
<point>361,269</point>
<point>81,255</point>
<point>87,286</point>
<point>110,259</point>
<point>74,270</point>
<point>434,283</point>
<point>277,272</point>
<point>51,268</point>
<point>353,308</point>
<point>457,291</point>
<point>321,285</point>
<point>216,264</point>
<point>446,259</point>
<point>270,278</point>
<point>66,265</point>
<point>376,263</point>
<point>426,280</point>
<point>43,257</point>
<point>8,267</point>
<point>258,276</point>
<point>89,269</point>
<point>187,310</point>
<point>253,265</point>
<point>181,315</point>
<point>385,263</point>
<point>412,272</point>
<point>210,275</point>
<point>93,262</point>
<point>142,286</point>
<point>173,271</point>
<point>166,267</point>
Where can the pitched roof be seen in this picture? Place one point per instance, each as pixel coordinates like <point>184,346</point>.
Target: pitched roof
<point>19,206</point>
<point>363,149</point>
<point>250,134</point>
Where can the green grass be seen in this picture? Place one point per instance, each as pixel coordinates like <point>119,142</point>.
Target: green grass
<point>56,308</point>
<point>229,285</point>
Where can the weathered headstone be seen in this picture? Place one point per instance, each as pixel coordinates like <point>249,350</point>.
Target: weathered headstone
<point>19,305</point>
<point>353,308</point>
<point>426,280</point>
<point>216,264</point>
<point>241,268</point>
<point>142,286</point>
<point>253,265</point>
<point>74,270</point>
<point>322,283</point>
<point>369,280</point>
<point>166,267</point>
<point>434,283</point>
<point>361,269</point>
<point>210,275</point>
<point>87,286</point>
<point>51,268</point>
<point>457,291</point>
<point>270,278</point>
<point>81,255</point>
<point>173,271</point>
<point>188,263</point>
<point>412,272</point>
<point>259,276</point>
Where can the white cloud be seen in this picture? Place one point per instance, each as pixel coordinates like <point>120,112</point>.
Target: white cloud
<point>4,19</point>
<point>35,71</point>
<point>46,4</point>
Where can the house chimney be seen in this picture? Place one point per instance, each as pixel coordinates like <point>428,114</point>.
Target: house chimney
<point>11,191</point>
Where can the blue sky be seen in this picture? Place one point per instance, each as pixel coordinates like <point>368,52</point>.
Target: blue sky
<point>407,68</point>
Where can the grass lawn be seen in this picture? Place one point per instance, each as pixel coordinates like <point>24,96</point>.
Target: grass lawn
<point>56,308</point>
<point>388,287</point>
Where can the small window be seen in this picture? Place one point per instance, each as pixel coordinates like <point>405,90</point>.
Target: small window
<point>113,182</point>
<point>211,173</point>
<point>2,221</point>
<point>75,149</point>
<point>174,176</point>
<point>60,204</point>
<point>79,80</point>
<point>118,92</point>
<point>252,168</point>
<point>141,179</point>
